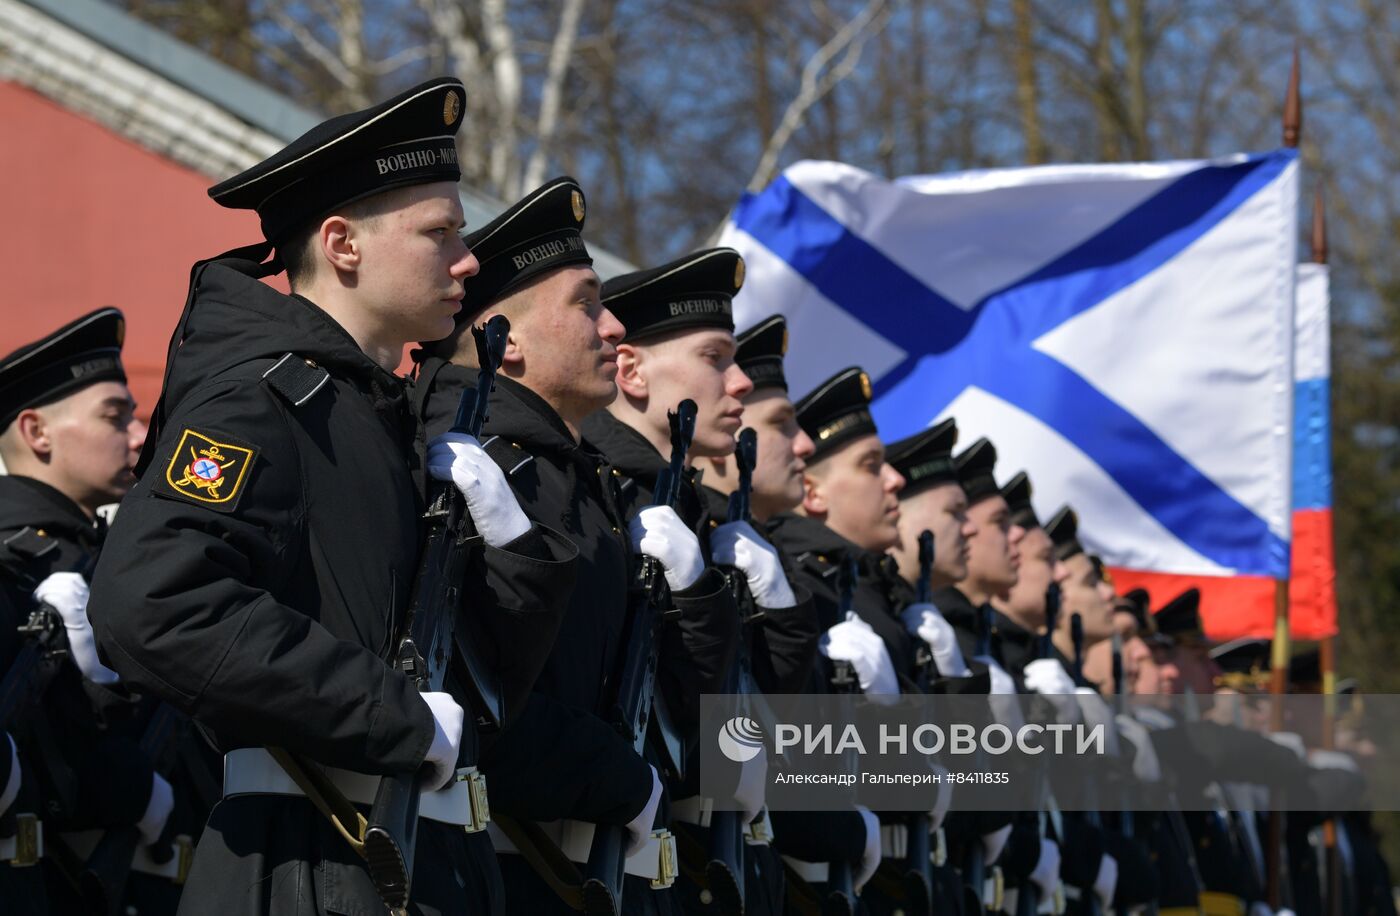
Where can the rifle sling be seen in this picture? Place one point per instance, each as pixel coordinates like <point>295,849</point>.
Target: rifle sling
<point>329,800</point>
<point>545,857</point>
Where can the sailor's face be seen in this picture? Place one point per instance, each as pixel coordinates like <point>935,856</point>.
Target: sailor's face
<point>414,264</point>
<point>783,450</point>
<point>699,365</point>
<point>94,440</point>
<point>565,342</point>
<point>994,555</point>
<point>942,510</point>
<point>857,491</point>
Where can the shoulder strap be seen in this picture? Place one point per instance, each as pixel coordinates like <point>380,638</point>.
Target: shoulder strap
<point>296,379</point>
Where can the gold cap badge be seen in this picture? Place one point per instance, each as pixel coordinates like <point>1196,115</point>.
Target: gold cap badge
<point>451,107</point>
<point>738,274</point>
<point>576,199</point>
<point>865,386</point>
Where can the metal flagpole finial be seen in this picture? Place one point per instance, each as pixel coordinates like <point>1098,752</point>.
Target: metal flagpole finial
<point>1319,228</point>
<point>1293,106</point>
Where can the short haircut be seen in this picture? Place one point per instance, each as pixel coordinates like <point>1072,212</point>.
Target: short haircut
<point>298,255</point>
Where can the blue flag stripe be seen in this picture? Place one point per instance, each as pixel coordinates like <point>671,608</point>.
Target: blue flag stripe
<point>1312,444</point>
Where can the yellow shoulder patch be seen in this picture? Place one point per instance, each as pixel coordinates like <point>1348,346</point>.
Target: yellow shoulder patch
<point>209,470</point>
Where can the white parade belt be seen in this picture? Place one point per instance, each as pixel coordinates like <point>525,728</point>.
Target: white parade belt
<point>653,861</point>
<point>699,809</point>
<point>253,771</point>
<point>176,868</point>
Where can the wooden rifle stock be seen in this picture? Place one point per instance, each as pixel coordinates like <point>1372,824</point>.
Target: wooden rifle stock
<point>607,859</point>
<point>425,651</point>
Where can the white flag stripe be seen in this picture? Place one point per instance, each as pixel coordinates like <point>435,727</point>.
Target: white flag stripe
<point>1195,326</point>
<point>1313,334</point>
<point>962,244</point>
<point>1111,524</point>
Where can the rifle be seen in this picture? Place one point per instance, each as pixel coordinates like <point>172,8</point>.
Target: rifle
<point>607,858</point>
<point>841,897</point>
<point>724,872</point>
<point>24,684</point>
<point>975,867</point>
<point>103,880</point>
<point>918,878</point>
<point>425,651</point>
<point>1028,898</point>
<point>1090,899</point>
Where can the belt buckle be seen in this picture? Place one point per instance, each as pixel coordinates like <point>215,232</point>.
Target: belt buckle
<point>29,840</point>
<point>184,848</point>
<point>665,860</point>
<point>1058,900</point>
<point>998,883</point>
<point>940,848</point>
<point>480,803</point>
<point>760,830</point>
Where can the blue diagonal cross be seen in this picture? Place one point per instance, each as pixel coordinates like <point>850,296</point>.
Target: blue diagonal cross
<point>990,345</point>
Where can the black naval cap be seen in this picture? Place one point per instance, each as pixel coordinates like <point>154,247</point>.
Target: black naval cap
<point>761,351</point>
<point>925,459</point>
<point>974,466</point>
<point>83,352</point>
<point>1243,663</point>
<point>1305,671</point>
<point>408,140</point>
<point>694,291</point>
<point>539,234</point>
<point>1063,529</point>
<point>1180,618</point>
<point>1136,602</point>
<point>1017,493</point>
<point>837,411</point>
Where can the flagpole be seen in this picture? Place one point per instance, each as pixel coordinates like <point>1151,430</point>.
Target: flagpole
<point>1327,649</point>
<point>1292,135</point>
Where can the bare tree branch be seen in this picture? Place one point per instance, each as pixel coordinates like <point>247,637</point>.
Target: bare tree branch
<point>819,77</point>
<point>552,93</point>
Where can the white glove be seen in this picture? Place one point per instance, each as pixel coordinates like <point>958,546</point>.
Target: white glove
<point>870,857</point>
<point>1006,708</point>
<point>1317,759</point>
<point>1291,740</point>
<point>854,641</point>
<point>658,532</point>
<point>157,810</point>
<point>447,739</point>
<point>944,800</point>
<point>1146,767</point>
<point>1107,880</point>
<point>10,792</point>
<point>737,544</point>
<point>993,843</point>
<point>459,458</point>
<point>925,621</point>
<point>1096,712</point>
<point>639,827</point>
<point>67,593</point>
<point>1047,869</point>
<point>1047,677</point>
<point>753,779</point>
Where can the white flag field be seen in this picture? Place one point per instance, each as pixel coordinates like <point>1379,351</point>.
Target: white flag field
<point>1123,333</point>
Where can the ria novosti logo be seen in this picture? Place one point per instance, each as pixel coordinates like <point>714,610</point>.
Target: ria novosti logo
<point>740,739</point>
